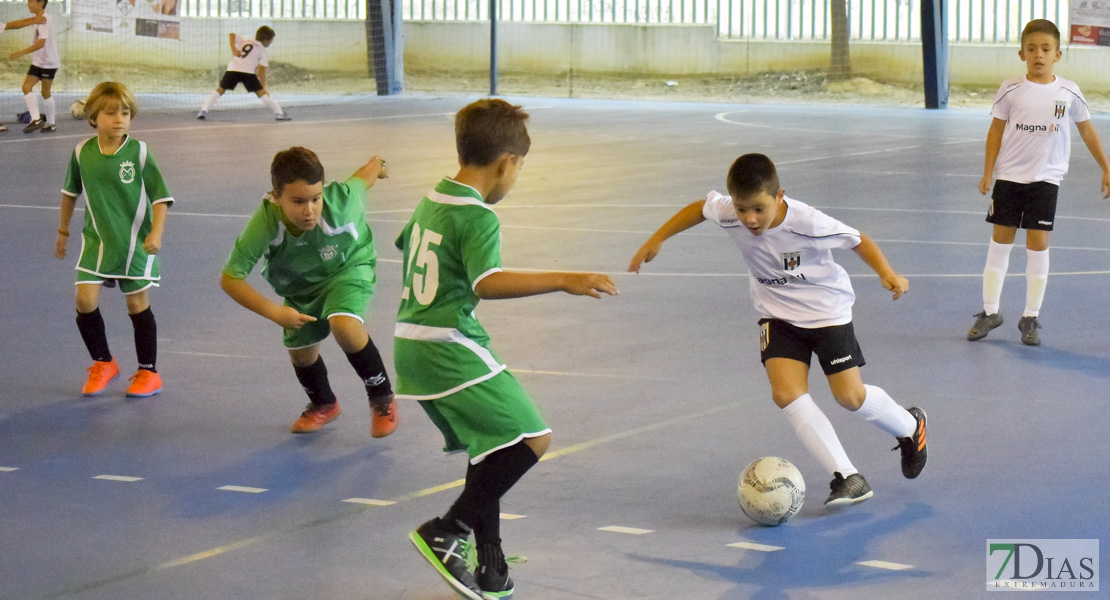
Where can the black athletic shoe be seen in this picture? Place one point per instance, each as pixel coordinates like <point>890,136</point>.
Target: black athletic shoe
<point>445,548</point>
<point>493,573</point>
<point>914,451</point>
<point>35,125</point>
<point>48,128</point>
<point>847,491</point>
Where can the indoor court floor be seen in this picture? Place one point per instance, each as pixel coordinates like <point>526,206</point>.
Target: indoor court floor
<point>656,397</point>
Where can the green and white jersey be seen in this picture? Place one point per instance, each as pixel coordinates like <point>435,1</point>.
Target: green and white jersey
<point>120,190</point>
<point>452,242</point>
<point>299,264</point>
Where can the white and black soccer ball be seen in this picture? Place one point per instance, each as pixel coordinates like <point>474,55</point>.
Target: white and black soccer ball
<point>771,490</point>
<point>77,109</point>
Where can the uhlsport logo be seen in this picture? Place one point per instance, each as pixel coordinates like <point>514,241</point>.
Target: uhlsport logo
<point>127,171</point>
<point>1042,565</point>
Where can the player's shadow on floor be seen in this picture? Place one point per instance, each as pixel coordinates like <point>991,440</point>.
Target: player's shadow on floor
<point>1064,360</point>
<point>820,553</point>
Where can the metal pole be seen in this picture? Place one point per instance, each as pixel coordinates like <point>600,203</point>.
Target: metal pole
<point>492,47</point>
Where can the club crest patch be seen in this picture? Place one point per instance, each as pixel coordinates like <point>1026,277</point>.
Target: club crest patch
<point>328,252</point>
<point>791,260</point>
<point>1061,108</point>
<point>127,171</point>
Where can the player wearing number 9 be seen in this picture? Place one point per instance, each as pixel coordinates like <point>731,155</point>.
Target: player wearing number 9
<point>249,59</point>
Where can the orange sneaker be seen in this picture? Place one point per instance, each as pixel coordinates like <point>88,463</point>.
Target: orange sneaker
<point>383,418</point>
<point>100,375</point>
<point>314,417</point>
<point>144,383</point>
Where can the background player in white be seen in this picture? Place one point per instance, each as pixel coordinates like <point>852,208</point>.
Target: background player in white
<point>1028,147</point>
<point>44,65</point>
<point>804,299</point>
<point>248,63</point>
<point>19,24</point>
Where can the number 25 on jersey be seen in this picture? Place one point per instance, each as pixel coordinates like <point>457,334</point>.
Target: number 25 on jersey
<point>421,255</point>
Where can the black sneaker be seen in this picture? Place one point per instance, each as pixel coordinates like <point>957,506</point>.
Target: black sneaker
<point>445,548</point>
<point>914,451</point>
<point>35,125</point>
<point>984,323</point>
<point>847,491</point>
<point>1028,327</point>
<point>493,573</point>
<point>48,128</point>
<point>2,127</point>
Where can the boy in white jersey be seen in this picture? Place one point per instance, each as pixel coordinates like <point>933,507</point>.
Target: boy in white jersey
<point>44,66</point>
<point>804,299</point>
<point>249,59</point>
<point>319,256</point>
<point>1028,146</point>
<point>19,24</point>
<point>126,202</point>
<point>452,259</point>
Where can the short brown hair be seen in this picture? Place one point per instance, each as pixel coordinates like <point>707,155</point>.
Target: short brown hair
<point>264,34</point>
<point>105,93</point>
<point>1041,26</point>
<point>751,174</point>
<point>488,128</point>
<point>295,164</point>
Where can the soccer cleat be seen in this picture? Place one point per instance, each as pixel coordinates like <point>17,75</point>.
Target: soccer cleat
<point>202,115</point>
<point>144,384</point>
<point>383,417</point>
<point>446,550</point>
<point>48,128</point>
<point>314,417</point>
<point>1028,327</point>
<point>914,451</point>
<point>35,125</point>
<point>492,573</point>
<point>284,116</point>
<point>2,127</point>
<point>100,375</point>
<point>984,323</point>
<point>847,491</point>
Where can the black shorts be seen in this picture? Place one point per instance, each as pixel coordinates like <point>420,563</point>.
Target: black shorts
<point>1024,205</point>
<point>42,73</point>
<point>234,78</point>
<point>835,346</point>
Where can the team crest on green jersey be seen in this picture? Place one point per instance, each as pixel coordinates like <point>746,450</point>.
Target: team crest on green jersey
<point>127,171</point>
<point>328,252</point>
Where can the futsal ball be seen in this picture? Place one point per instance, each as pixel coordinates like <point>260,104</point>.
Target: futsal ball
<point>771,490</point>
<point>77,109</point>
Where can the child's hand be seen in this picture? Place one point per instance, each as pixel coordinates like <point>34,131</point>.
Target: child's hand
<point>153,243</point>
<point>60,246</point>
<point>384,174</point>
<point>985,184</point>
<point>289,318</point>
<point>589,284</point>
<point>895,283</point>
<point>1106,184</point>
<point>646,253</point>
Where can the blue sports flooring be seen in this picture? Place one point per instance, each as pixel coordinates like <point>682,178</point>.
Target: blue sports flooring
<point>656,397</point>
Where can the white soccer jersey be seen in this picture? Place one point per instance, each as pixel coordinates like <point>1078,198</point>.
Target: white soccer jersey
<point>1036,144</point>
<point>3,25</point>
<point>47,56</point>
<point>792,274</point>
<point>254,54</point>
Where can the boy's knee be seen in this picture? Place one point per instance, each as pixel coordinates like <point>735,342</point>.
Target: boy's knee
<point>851,399</point>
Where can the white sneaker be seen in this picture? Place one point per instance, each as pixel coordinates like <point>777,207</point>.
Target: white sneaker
<point>284,116</point>
<point>202,115</point>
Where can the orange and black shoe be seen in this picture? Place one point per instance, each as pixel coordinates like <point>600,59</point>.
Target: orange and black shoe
<point>100,375</point>
<point>383,416</point>
<point>914,450</point>
<point>314,417</point>
<point>144,384</point>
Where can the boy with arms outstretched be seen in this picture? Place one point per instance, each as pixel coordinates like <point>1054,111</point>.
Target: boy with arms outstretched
<point>126,202</point>
<point>804,299</point>
<point>45,63</point>
<point>1028,146</point>
<point>249,59</point>
<point>320,258</point>
<point>452,259</point>
<point>19,24</point>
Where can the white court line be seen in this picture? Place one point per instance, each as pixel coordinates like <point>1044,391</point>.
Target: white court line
<point>8,469</point>
<point>723,117</point>
<point>511,517</point>
<point>882,564</point>
<point>628,530</point>
<point>244,489</point>
<point>123,478</point>
<point>370,501</point>
<point>754,546</point>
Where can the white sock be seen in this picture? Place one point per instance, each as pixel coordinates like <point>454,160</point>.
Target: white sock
<point>48,105</point>
<point>212,98</point>
<point>879,408</point>
<point>817,435</point>
<point>268,101</point>
<point>994,275</point>
<point>32,105</point>
<point>1036,280</point>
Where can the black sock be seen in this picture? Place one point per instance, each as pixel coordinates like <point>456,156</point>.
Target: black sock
<point>314,380</point>
<point>479,504</point>
<point>91,326</point>
<point>491,555</point>
<point>146,339</point>
<point>370,368</point>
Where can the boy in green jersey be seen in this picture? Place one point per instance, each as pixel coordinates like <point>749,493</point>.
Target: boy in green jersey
<point>126,202</point>
<point>320,258</point>
<point>452,259</point>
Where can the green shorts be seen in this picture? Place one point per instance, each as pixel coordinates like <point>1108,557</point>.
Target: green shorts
<point>127,286</point>
<point>486,417</point>
<point>348,295</point>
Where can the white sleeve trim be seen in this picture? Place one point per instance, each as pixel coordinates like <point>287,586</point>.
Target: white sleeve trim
<point>474,286</point>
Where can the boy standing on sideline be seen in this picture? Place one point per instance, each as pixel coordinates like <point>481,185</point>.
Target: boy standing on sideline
<point>1028,146</point>
<point>452,259</point>
<point>804,299</point>
<point>19,24</point>
<point>126,202</point>
<point>44,66</point>
<point>248,63</point>
<point>320,257</point>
